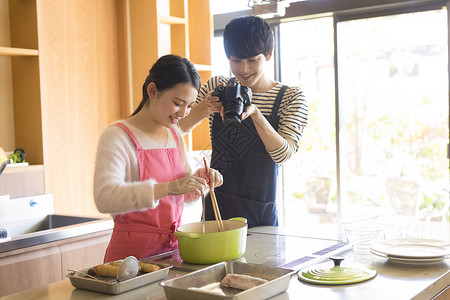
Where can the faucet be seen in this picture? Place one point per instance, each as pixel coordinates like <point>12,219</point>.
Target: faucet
<point>3,166</point>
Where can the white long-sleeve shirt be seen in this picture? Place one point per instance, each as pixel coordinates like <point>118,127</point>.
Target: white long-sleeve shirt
<point>117,186</point>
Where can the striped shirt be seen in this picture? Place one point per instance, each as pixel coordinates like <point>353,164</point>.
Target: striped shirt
<point>293,114</point>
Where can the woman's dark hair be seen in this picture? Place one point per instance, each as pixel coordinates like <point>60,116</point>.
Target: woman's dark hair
<point>247,36</point>
<point>168,71</point>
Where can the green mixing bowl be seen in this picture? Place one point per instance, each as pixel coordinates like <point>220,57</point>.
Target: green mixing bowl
<point>212,246</point>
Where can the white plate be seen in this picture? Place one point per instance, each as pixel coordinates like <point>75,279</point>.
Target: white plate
<point>412,248</point>
<point>411,261</point>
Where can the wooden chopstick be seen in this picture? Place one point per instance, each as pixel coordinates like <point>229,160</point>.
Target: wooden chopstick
<point>214,200</point>
<point>216,210</point>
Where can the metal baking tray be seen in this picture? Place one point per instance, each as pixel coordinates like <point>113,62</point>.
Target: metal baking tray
<point>205,284</point>
<point>112,286</point>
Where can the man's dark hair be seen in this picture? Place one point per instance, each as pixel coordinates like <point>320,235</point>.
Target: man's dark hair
<point>246,37</point>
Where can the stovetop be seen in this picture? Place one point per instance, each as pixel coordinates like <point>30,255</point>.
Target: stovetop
<point>292,252</point>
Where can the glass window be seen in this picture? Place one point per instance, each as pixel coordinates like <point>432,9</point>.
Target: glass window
<point>219,61</point>
<point>310,175</point>
<point>393,92</point>
<point>393,120</point>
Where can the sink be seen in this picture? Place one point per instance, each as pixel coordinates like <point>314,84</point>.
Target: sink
<point>36,224</point>
<point>30,221</point>
<point>48,228</point>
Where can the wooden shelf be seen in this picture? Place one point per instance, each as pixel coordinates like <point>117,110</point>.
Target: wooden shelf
<point>181,27</point>
<point>21,169</point>
<point>169,20</point>
<point>18,51</point>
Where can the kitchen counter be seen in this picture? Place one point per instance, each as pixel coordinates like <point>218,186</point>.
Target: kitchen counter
<point>393,281</point>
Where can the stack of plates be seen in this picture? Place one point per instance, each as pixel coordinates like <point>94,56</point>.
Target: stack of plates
<point>412,250</point>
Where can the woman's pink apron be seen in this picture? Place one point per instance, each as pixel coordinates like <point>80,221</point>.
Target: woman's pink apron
<point>150,231</point>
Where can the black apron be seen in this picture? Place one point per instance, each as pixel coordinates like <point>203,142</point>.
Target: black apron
<point>249,173</point>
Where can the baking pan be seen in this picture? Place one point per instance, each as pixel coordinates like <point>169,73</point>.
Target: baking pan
<point>205,284</point>
<point>110,285</point>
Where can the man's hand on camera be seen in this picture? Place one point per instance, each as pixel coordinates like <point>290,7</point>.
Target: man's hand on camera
<point>248,111</point>
<point>213,104</point>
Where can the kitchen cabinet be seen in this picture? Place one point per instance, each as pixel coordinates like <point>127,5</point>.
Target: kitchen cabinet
<point>200,39</point>
<point>20,182</point>
<point>53,97</point>
<point>23,270</point>
<point>153,28</point>
<point>32,267</point>
<point>444,295</point>
<point>80,253</point>
<point>73,67</point>
<point>19,50</point>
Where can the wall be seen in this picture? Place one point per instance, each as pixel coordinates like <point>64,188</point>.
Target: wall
<point>79,92</point>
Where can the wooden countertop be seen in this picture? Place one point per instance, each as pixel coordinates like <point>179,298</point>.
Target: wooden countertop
<point>393,281</point>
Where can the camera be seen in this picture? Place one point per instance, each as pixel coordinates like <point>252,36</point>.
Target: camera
<point>234,97</point>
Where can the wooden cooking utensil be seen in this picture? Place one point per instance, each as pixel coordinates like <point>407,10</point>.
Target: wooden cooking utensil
<point>203,213</point>
<point>214,201</point>
<point>216,210</point>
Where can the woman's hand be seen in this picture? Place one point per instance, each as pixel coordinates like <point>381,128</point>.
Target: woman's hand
<point>215,178</point>
<point>188,184</point>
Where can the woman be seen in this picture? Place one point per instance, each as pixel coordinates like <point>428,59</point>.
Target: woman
<point>142,177</point>
<point>248,154</point>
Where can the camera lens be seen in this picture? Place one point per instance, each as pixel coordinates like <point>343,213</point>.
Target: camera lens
<point>231,119</point>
